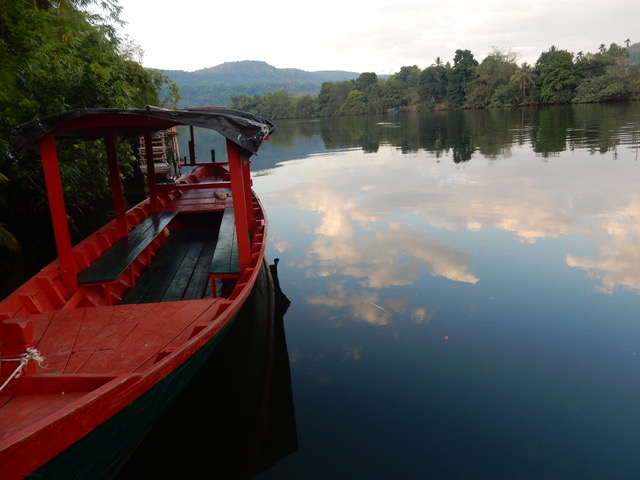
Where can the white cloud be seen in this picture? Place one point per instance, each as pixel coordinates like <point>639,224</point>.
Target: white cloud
<point>379,36</point>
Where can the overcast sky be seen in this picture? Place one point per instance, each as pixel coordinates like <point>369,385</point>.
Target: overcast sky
<point>368,35</point>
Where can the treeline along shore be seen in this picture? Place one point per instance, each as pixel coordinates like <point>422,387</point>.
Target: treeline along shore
<point>558,77</point>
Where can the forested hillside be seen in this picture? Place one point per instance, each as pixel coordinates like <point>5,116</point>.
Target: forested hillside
<point>216,85</point>
<point>558,77</point>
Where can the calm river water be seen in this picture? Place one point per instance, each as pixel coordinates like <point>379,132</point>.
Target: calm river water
<point>465,292</point>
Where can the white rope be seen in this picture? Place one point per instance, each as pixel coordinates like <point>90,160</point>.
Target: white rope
<point>32,354</point>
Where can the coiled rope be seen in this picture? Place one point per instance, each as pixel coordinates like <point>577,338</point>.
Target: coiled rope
<point>31,354</point>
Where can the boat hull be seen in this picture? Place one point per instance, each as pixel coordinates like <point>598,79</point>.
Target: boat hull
<point>236,416</point>
<point>115,412</point>
<point>125,318</point>
<point>99,453</point>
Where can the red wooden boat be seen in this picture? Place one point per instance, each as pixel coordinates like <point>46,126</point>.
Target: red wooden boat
<point>98,343</point>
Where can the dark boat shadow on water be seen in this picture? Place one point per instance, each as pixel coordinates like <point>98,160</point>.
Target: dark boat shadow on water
<point>235,419</point>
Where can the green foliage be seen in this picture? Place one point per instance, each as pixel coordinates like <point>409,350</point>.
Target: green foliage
<point>275,105</point>
<point>304,107</point>
<point>366,81</point>
<point>504,95</point>
<point>433,83</point>
<point>595,64</point>
<point>392,94</point>
<point>332,96</point>
<point>57,56</point>
<point>523,77</point>
<point>404,86</point>
<point>7,94</point>
<point>244,102</point>
<point>7,239</point>
<point>556,76</point>
<point>614,84</point>
<point>356,103</point>
<point>461,77</point>
<point>491,85</point>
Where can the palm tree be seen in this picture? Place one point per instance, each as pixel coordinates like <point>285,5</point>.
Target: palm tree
<point>627,42</point>
<point>523,77</point>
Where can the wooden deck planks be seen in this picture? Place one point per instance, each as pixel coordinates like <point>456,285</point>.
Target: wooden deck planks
<point>102,328</point>
<point>107,355</point>
<point>95,326</point>
<point>156,278</point>
<point>178,284</point>
<point>57,341</point>
<point>170,286</point>
<point>199,284</point>
<point>152,327</point>
<point>190,279</point>
<point>144,341</point>
<point>179,270</point>
<point>105,345</point>
<point>40,324</point>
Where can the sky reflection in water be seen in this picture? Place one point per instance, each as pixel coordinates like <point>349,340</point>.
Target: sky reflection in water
<point>461,320</point>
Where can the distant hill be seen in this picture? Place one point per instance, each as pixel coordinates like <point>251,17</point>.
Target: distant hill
<point>214,85</point>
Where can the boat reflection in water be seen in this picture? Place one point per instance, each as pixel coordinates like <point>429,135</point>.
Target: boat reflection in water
<point>236,417</point>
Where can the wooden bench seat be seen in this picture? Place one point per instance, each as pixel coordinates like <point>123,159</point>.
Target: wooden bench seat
<point>225,261</point>
<point>112,263</point>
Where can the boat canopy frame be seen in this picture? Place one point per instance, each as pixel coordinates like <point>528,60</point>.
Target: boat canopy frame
<point>244,129</point>
<point>244,133</point>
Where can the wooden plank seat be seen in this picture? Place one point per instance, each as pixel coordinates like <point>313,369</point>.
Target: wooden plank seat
<point>112,263</point>
<point>225,262</point>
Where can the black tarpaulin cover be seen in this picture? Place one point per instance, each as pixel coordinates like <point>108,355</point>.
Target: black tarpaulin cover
<point>244,129</point>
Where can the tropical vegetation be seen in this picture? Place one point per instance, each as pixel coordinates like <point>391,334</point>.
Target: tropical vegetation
<point>60,55</point>
<point>558,77</point>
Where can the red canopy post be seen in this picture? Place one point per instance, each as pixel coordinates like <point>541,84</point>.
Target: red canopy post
<point>246,177</point>
<point>116,186</point>
<point>241,200</point>
<point>58,211</point>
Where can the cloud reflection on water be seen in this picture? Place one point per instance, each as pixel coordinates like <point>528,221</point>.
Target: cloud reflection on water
<point>381,217</point>
<point>617,265</point>
<point>368,306</point>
